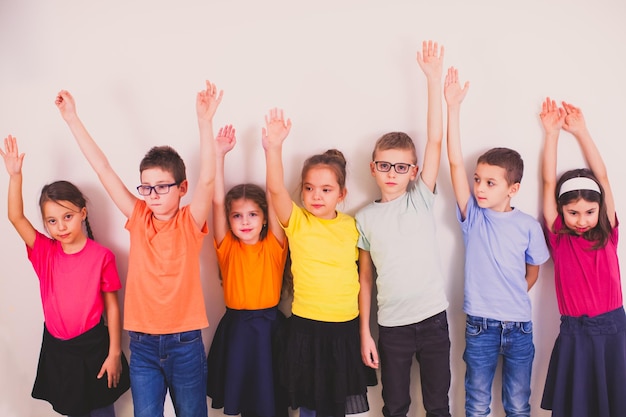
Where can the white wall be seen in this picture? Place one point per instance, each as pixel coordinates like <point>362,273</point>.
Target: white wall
<point>345,73</point>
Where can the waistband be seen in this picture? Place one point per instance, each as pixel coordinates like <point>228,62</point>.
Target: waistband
<point>492,323</point>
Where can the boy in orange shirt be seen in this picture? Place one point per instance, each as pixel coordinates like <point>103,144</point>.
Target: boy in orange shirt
<point>164,308</point>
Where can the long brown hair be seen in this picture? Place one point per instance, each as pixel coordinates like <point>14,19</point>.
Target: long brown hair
<point>65,191</point>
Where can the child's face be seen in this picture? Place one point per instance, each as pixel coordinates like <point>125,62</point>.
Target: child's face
<point>392,185</point>
<point>581,215</point>
<point>321,192</point>
<point>246,220</point>
<point>491,188</point>
<point>64,222</point>
<point>163,206</point>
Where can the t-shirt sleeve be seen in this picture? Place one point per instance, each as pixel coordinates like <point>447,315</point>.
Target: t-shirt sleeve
<point>36,254</point>
<point>421,195</point>
<point>363,242</point>
<point>537,252</point>
<point>110,280</point>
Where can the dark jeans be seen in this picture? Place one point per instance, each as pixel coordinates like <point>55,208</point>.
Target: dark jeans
<point>429,342</point>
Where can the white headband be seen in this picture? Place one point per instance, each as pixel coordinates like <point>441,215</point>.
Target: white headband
<point>579,183</point>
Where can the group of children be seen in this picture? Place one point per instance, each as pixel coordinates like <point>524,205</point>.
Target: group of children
<point>322,358</point>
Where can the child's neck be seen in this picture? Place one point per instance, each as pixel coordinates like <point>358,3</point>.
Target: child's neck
<point>74,247</point>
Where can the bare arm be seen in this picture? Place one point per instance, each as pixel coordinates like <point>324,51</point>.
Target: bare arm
<point>369,354</point>
<point>225,142</point>
<point>532,273</point>
<point>207,102</point>
<point>431,62</point>
<point>122,197</point>
<point>454,96</point>
<point>112,365</point>
<point>274,133</point>
<point>552,119</point>
<point>575,124</point>
<point>13,162</point>
<point>272,222</point>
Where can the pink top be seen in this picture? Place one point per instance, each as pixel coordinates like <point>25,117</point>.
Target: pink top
<point>587,281</point>
<point>71,285</point>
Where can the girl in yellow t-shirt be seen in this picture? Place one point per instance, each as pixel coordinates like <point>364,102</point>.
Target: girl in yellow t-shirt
<point>251,250</point>
<point>321,367</point>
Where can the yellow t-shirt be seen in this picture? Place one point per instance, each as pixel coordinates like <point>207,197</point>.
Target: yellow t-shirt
<point>252,275</point>
<point>163,289</point>
<point>323,263</point>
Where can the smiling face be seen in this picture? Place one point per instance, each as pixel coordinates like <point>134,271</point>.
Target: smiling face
<point>491,188</point>
<point>581,215</point>
<point>64,223</point>
<point>246,220</point>
<point>321,192</point>
<point>163,206</point>
<point>392,185</point>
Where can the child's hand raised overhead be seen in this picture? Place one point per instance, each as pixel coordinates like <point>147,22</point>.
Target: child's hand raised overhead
<point>207,102</point>
<point>574,120</point>
<point>276,128</point>
<point>552,117</point>
<point>225,140</point>
<point>452,90</point>
<point>66,105</point>
<point>431,59</point>
<point>12,158</point>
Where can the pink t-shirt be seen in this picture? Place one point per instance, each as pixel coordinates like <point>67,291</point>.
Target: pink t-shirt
<point>587,281</point>
<point>71,285</point>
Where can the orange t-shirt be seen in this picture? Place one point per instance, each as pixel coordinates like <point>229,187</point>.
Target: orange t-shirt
<point>163,288</point>
<point>252,275</point>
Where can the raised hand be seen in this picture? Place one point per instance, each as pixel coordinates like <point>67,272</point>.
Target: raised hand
<point>552,116</point>
<point>430,59</point>
<point>208,101</point>
<point>11,156</point>
<point>276,128</point>
<point>452,90</point>
<point>225,140</point>
<point>574,120</point>
<point>66,104</point>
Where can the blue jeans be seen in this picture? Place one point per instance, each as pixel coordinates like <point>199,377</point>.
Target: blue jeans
<point>170,361</point>
<point>485,341</point>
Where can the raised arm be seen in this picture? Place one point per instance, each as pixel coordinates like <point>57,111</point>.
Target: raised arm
<point>369,354</point>
<point>13,162</point>
<point>273,135</point>
<point>224,143</point>
<point>454,96</point>
<point>431,62</point>
<point>552,118</point>
<point>575,124</point>
<point>207,102</point>
<point>121,196</point>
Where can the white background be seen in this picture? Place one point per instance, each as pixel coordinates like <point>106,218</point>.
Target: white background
<point>344,71</point>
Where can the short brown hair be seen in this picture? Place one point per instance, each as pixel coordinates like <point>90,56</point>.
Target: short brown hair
<point>395,140</point>
<point>505,158</point>
<point>167,159</point>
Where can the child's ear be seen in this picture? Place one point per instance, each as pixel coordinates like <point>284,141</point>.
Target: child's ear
<point>83,213</point>
<point>513,189</point>
<point>373,168</point>
<point>342,195</point>
<point>183,187</point>
<point>414,171</point>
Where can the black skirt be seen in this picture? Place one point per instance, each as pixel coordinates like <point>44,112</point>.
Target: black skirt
<point>68,369</point>
<point>587,371</point>
<point>321,367</point>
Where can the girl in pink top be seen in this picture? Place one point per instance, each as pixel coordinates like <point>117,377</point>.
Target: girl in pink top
<point>82,369</point>
<point>587,371</point>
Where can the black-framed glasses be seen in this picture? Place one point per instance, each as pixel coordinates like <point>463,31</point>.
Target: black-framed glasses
<point>399,167</point>
<point>146,190</point>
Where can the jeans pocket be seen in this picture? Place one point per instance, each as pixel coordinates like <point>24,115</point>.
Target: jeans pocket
<point>527,327</point>
<point>190,336</point>
<point>472,329</point>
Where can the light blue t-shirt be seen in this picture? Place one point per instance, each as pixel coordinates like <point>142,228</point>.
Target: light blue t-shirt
<point>400,236</point>
<point>498,245</point>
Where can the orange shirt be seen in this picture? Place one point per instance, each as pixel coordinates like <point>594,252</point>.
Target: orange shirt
<point>251,274</point>
<point>163,288</point>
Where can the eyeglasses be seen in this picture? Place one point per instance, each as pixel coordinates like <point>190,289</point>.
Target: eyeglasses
<point>159,189</point>
<point>399,167</point>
